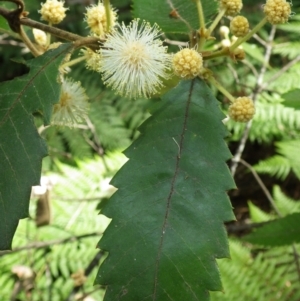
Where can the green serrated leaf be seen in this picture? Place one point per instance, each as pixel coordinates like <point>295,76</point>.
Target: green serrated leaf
<point>21,147</point>
<point>292,99</point>
<point>168,213</point>
<point>281,232</point>
<point>164,13</point>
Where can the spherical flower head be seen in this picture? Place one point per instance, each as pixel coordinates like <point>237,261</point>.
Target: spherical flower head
<point>187,63</point>
<point>133,60</point>
<point>53,11</point>
<point>73,104</point>
<point>93,59</point>
<point>242,109</point>
<point>239,26</point>
<point>232,7</point>
<point>277,11</point>
<point>96,19</point>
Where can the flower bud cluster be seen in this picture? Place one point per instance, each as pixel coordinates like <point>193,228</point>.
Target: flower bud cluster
<point>277,11</point>
<point>239,26</point>
<point>242,109</point>
<point>53,11</point>
<point>187,63</point>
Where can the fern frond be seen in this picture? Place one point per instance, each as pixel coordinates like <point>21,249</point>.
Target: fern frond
<point>276,166</point>
<point>290,27</point>
<point>70,215</point>
<point>264,277</point>
<point>257,215</point>
<point>288,49</point>
<point>285,204</point>
<point>280,165</point>
<point>285,82</point>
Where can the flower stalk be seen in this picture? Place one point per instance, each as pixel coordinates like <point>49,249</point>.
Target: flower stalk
<point>74,62</point>
<point>202,29</point>
<point>255,29</point>
<point>218,86</point>
<point>216,20</point>
<point>108,14</point>
<point>28,42</point>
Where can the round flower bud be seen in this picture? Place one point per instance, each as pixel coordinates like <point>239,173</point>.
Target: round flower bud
<point>239,26</point>
<point>187,63</point>
<point>225,43</point>
<point>242,109</point>
<point>96,19</point>
<point>53,11</point>
<point>40,37</point>
<point>233,7</point>
<point>224,31</point>
<point>277,11</point>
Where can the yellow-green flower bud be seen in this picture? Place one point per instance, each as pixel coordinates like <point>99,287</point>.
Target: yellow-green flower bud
<point>239,26</point>
<point>233,7</point>
<point>187,63</point>
<point>242,109</point>
<point>277,11</point>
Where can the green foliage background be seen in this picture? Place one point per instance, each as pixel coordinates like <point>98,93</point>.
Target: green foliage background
<point>253,273</point>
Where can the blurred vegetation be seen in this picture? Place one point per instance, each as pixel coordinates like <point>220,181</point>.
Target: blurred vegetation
<point>81,161</point>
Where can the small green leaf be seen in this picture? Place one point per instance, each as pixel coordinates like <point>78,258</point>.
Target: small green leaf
<point>160,12</point>
<point>168,212</point>
<point>281,232</point>
<point>292,99</point>
<point>21,147</point>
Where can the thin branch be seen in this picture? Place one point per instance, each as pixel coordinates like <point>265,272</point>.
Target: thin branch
<point>234,228</point>
<point>260,40</point>
<point>281,71</point>
<point>237,157</point>
<point>42,245</point>
<point>262,186</point>
<point>177,43</point>
<point>234,73</point>
<point>251,67</point>
<point>95,144</point>
<point>272,202</point>
<point>15,19</point>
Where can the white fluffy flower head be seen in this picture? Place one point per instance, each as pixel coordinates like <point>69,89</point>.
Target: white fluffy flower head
<point>73,104</point>
<point>134,60</point>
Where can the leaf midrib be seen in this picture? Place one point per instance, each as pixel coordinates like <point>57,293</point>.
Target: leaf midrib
<point>169,199</point>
